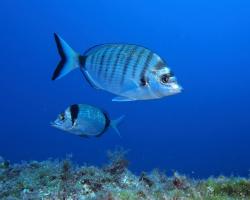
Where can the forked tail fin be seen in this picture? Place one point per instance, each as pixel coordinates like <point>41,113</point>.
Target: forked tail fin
<point>70,60</point>
<point>115,123</point>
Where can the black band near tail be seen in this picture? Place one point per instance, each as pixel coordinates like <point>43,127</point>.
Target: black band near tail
<point>82,61</point>
<point>107,124</point>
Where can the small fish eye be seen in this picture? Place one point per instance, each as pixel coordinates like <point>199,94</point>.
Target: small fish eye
<point>62,116</point>
<point>164,78</point>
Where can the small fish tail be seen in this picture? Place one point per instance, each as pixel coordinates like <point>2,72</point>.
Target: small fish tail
<point>115,123</point>
<point>70,60</point>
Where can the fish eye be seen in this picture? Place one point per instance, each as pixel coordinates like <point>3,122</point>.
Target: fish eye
<point>62,116</point>
<point>164,78</point>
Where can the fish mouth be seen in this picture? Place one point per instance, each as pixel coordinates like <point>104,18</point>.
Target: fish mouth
<point>175,88</point>
<point>54,124</point>
<point>179,89</point>
<point>57,126</point>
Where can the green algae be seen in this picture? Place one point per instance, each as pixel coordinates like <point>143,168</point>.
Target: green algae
<point>234,187</point>
<point>62,179</point>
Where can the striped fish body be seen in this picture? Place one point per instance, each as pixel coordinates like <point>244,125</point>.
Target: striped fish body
<point>122,69</point>
<point>85,120</point>
<point>131,72</point>
<point>90,121</point>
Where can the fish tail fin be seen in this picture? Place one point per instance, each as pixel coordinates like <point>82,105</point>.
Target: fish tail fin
<point>70,60</point>
<point>115,123</point>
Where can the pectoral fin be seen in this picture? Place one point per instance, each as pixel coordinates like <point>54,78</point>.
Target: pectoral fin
<point>130,85</point>
<point>130,88</point>
<point>133,94</point>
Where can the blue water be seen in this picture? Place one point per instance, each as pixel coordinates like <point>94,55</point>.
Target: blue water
<point>203,131</point>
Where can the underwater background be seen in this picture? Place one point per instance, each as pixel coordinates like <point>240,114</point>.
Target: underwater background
<point>203,131</point>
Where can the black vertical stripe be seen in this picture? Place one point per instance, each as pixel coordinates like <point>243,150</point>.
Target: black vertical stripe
<point>143,81</point>
<point>127,62</point>
<point>146,65</point>
<point>102,61</point>
<point>74,110</point>
<point>137,61</point>
<point>111,54</point>
<point>116,62</point>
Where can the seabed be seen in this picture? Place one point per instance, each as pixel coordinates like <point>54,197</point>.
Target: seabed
<point>64,180</point>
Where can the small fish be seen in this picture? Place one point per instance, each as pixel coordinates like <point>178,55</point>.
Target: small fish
<point>85,120</point>
<point>130,71</point>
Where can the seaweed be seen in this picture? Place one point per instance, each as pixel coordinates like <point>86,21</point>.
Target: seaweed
<point>234,187</point>
<point>146,179</point>
<point>63,179</point>
<point>118,162</point>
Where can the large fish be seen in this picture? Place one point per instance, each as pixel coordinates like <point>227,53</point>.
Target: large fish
<point>132,72</point>
<point>85,120</point>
